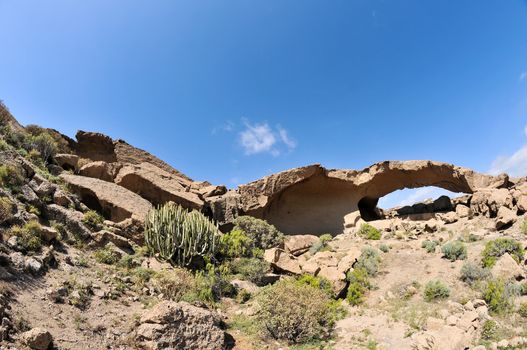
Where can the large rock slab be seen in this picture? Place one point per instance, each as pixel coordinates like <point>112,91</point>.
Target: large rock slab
<point>171,325</point>
<point>115,202</point>
<point>157,185</point>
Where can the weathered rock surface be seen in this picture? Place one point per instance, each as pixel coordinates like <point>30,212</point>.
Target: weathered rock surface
<point>115,202</point>
<point>170,325</point>
<point>37,339</point>
<point>157,185</point>
<point>507,268</point>
<point>299,244</point>
<point>100,170</point>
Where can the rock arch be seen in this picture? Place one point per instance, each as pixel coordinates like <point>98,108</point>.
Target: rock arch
<point>315,200</point>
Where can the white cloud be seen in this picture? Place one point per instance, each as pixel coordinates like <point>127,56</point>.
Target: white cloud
<point>257,138</point>
<point>261,138</point>
<point>409,196</point>
<point>523,76</point>
<point>514,165</point>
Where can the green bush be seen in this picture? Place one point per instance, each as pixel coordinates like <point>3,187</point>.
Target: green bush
<point>93,220</point>
<point>180,236</point>
<point>435,290</point>
<point>369,232</point>
<point>385,248</point>
<point>251,269</point>
<point>496,248</point>
<point>44,144</point>
<point>522,310</point>
<point>430,246</point>
<point>369,260</point>
<point>7,209</point>
<point>210,286</point>
<point>321,245</point>
<point>472,273</point>
<point>235,244</point>
<point>29,236</point>
<point>263,235</point>
<point>173,284</point>
<point>10,176</point>
<point>317,282</point>
<point>494,293</point>
<point>296,312</point>
<point>454,250</point>
<point>489,330</point>
<point>358,286</point>
<point>106,256</point>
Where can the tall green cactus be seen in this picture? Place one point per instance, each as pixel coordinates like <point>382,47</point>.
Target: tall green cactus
<point>178,235</point>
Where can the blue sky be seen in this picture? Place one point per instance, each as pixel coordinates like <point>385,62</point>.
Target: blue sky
<point>230,91</point>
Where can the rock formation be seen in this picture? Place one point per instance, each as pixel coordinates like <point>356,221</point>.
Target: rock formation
<point>315,200</point>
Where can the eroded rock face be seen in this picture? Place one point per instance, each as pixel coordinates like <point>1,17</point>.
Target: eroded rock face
<point>170,325</point>
<point>115,202</point>
<point>157,185</point>
<point>315,200</point>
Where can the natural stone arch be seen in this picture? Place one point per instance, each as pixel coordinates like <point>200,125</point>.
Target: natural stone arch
<point>315,200</point>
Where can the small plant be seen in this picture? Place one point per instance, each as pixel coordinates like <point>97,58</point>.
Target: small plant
<point>29,236</point>
<point>210,286</point>
<point>106,256</point>
<point>93,220</point>
<point>321,245</point>
<point>430,246</point>
<point>10,177</point>
<point>33,210</point>
<point>359,284</point>
<point>296,312</point>
<point>489,330</point>
<point>367,231</point>
<point>435,290</point>
<point>494,293</point>
<point>496,248</point>
<point>472,273</point>
<point>385,248</point>
<point>369,260</point>
<point>522,310</point>
<point>251,269</point>
<point>7,209</point>
<point>175,284</point>
<point>79,293</point>
<point>454,250</point>
<point>524,225</point>
<point>264,235</point>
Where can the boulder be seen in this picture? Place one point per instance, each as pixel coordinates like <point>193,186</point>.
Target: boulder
<point>116,202</point>
<point>171,325</point>
<point>506,217</point>
<point>48,233</point>
<point>103,237</point>
<point>282,261</point>
<point>63,199</point>
<point>299,244</point>
<point>70,218</point>
<point>37,339</point>
<point>507,268</point>
<point>463,211</point>
<point>100,170</point>
<point>225,208</point>
<point>157,185</point>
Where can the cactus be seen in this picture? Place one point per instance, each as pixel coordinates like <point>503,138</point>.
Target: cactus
<point>178,235</point>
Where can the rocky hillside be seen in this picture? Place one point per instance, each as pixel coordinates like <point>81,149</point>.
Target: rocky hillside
<point>302,259</point>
